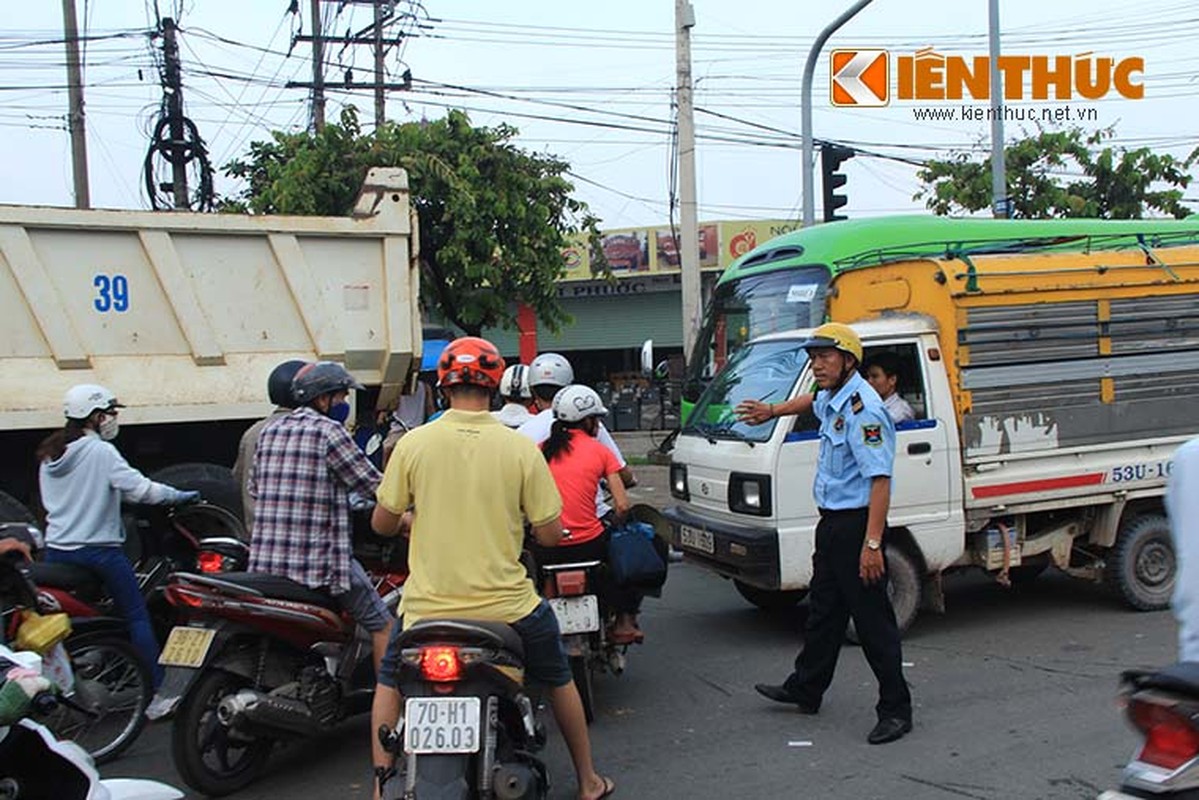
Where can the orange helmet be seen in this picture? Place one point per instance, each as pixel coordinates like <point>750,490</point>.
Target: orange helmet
<point>470,360</point>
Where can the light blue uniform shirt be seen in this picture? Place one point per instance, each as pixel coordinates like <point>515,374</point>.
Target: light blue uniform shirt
<point>857,444</point>
<point>1182,504</point>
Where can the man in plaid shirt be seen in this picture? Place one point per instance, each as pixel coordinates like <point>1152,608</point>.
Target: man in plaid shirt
<point>304,470</point>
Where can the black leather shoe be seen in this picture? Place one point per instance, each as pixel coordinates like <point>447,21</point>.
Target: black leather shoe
<point>889,729</point>
<point>779,694</point>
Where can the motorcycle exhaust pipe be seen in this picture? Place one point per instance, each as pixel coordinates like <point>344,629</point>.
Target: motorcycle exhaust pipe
<point>259,710</point>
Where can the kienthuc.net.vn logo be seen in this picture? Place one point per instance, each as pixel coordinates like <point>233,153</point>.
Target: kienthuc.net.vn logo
<point>861,78</point>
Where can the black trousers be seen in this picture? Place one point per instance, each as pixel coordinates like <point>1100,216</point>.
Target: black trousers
<point>836,594</point>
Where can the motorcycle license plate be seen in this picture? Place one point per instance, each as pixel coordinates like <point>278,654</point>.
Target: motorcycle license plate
<point>442,725</point>
<point>576,614</point>
<point>186,647</point>
<point>696,539</point>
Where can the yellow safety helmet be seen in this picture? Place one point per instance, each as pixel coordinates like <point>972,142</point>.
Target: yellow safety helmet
<point>836,335</point>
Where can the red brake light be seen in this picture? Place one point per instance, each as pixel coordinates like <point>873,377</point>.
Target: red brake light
<point>1170,738</point>
<point>210,562</point>
<point>571,583</point>
<point>440,663</point>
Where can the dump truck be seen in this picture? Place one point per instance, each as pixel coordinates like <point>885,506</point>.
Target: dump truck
<point>1053,368</point>
<point>184,315</point>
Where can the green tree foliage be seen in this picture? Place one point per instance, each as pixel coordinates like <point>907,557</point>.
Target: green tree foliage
<point>494,219</point>
<point>1063,173</point>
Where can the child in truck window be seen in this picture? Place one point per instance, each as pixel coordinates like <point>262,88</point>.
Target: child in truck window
<point>882,373</point>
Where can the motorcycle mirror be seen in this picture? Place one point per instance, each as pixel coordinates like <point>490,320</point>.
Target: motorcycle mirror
<point>647,357</point>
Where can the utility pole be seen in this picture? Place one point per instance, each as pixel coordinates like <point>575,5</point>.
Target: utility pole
<point>174,91</point>
<point>75,118</point>
<point>380,93</point>
<point>999,200</point>
<point>809,190</point>
<point>318,69</point>
<point>688,248</point>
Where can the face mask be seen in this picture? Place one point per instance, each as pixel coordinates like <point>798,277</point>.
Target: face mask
<point>109,427</point>
<point>339,412</point>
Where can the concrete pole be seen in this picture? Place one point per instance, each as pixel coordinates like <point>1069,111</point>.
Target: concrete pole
<point>75,118</point>
<point>380,92</point>
<point>999,202</point>
<point>174,88</point>
<point>318,69</point>
<point>688,248</point>
<point>809,68</point>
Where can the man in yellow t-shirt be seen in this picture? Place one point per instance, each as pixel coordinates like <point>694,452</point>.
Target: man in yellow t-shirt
<point>472,483</point>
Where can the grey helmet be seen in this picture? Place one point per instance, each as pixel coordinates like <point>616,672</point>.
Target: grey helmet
<point>323,377</point>
<point>551,369</point>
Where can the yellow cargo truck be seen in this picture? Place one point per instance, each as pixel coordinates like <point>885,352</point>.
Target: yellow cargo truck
<point>1053,368</point>
<point>184,316</point>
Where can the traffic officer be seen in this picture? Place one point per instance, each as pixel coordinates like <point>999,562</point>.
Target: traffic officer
<point>853,493</point>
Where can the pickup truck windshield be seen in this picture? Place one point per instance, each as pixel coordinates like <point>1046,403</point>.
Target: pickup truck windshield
<point>764,371</point>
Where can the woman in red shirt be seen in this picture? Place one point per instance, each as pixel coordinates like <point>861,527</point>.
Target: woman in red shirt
<point>578,462</point>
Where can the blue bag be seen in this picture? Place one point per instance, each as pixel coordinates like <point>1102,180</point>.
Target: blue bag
<point>632,557</point>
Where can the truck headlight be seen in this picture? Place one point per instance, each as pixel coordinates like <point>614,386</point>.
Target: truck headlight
<point>678,481</point>
<point>750,494</point>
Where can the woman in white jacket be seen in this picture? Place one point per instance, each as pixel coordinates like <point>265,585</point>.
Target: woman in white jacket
<point>83,479</point>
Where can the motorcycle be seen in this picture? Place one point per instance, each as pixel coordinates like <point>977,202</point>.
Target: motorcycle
<point>104,686</point>
<point>571,590</point>
<point>34,765</point>
<point>260,659</point>
<point>1163,705</point>
<point>161,540</point>
<point>468,729</point>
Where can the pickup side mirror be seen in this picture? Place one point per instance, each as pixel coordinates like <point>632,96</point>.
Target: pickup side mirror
<point>647,358</point>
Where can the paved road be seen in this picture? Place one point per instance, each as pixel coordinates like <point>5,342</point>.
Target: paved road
<point>1014,698</point>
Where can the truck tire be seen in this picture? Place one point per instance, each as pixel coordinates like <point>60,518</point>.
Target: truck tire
<point>215,483</point>
<point>770,599</point>
<point>1142,566</point>
<point>904,588</point>
<point>11,510</point>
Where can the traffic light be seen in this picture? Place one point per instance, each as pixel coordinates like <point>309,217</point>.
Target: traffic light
<point>831,158</point>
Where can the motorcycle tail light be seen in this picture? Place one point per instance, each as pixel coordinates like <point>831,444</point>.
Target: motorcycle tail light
<point>1170,738</point>
<point>572,583</point>
<point>440,664</point>
<point>177,596</point>
<point>210,562</point>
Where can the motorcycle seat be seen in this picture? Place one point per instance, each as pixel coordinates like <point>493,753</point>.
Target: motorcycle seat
<point>466,632</point>
<point>66,576</point>
<point>280,588</point>
<point>1181,678</point>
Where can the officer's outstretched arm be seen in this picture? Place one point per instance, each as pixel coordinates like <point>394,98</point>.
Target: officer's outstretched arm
<point>755,412</point>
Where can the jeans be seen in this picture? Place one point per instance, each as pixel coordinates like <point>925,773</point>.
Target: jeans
<point>110,562</point>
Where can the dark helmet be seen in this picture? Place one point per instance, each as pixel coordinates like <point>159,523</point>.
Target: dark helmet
<point>278,385</point>
<point>323,377</point>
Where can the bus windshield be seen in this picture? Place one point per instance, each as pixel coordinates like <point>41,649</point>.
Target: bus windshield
<point>765,371</point>
<point>753,306</point>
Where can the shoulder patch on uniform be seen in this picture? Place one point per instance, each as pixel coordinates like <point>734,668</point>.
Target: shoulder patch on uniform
<point>872,435</point>
<point>855,403</point>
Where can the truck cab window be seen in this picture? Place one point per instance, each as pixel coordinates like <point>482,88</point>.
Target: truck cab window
<point>895,368</point>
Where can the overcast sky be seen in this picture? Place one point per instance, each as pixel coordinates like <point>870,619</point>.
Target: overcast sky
<point>590,82</point>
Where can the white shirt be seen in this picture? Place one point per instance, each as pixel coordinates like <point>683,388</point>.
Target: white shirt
<point>538,429</point>
<point>1182,504</point>
<point>898,409</point>
<point>512,415</point>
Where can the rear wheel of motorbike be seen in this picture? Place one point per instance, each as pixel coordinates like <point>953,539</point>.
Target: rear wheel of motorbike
<point>211,758</point>
<point>582,675</point>
<point>1142,566</point>
<point>114,685</point>
<point>445,777</point>
<point>770,599</point>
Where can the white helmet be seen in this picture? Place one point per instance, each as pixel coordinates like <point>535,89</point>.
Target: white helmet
<point>80,401</point>
<point>576,403</point>
<point>515,382</point>
<point>551,369</point>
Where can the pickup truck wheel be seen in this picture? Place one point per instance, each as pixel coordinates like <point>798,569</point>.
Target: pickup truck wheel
<point>903,587</point>
<point>771,599</point>
<point>11,510</point>
<point>1142,565</point>
<point>215,484</point>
